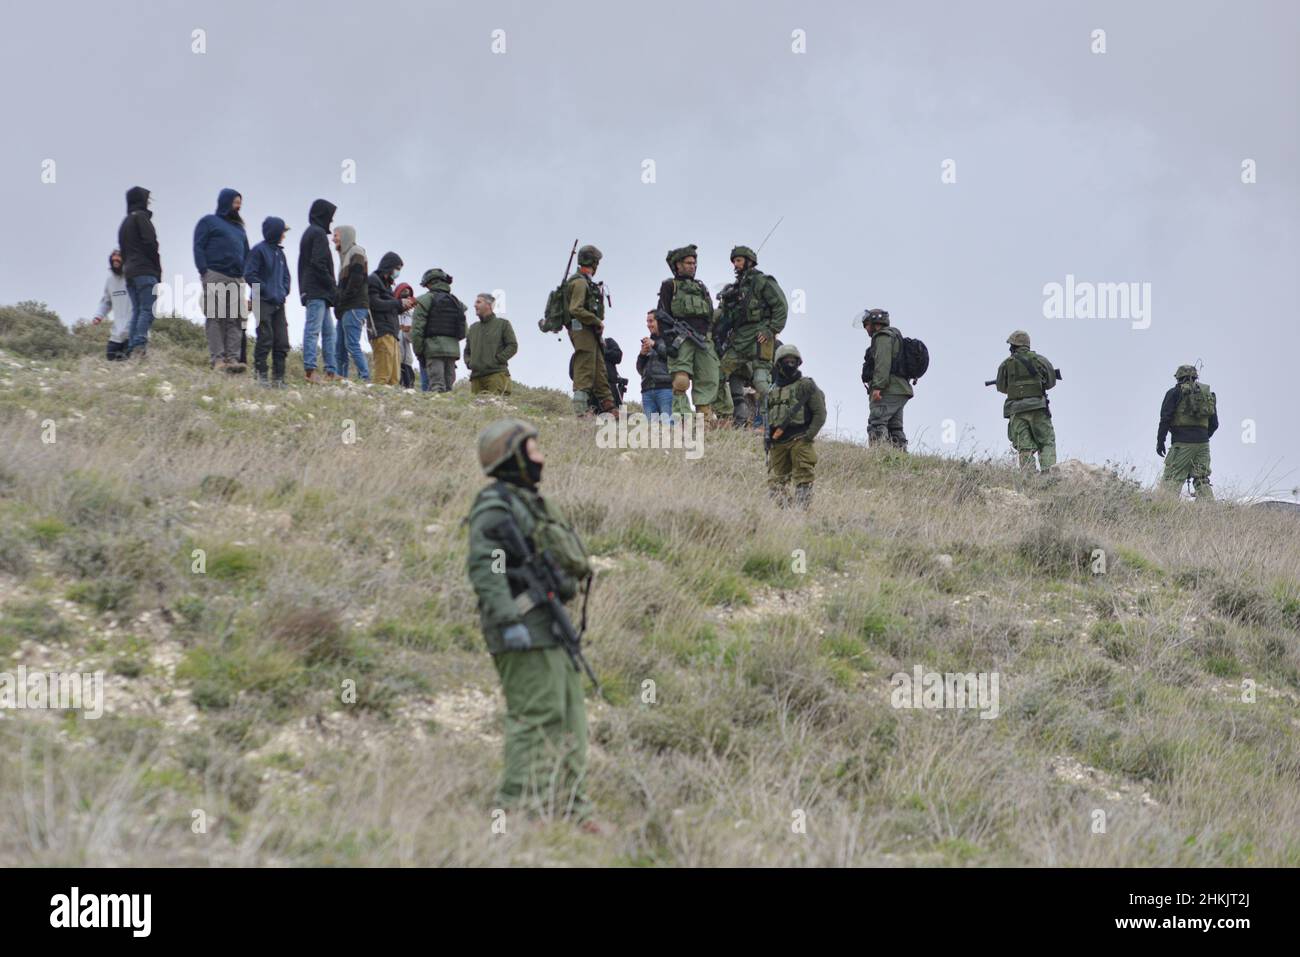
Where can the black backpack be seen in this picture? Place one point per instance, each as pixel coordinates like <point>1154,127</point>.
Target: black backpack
<point>446,317</point>
<point>910,362</point>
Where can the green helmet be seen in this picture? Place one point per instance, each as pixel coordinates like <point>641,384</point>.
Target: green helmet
<point>1186,372</point>
<point>746,252</point>
<point>879,317</point>
<point>677,255</point>
<point>501,440</point>
<point>786,351</point>
<point>589,256</point>
<point>434,275</point>
<point>1019,338</point>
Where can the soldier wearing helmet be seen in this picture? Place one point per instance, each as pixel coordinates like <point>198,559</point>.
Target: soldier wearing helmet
<point>752,313</point>
<point>546,719</point>
<point>1025,378</point>
<point>586,308</point>
<point>888,391</point>
<point>692,360</point>
<point>1190,415</point>
<point>796,412</point>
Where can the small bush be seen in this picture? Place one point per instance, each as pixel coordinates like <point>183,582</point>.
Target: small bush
<point>33,330</point>
<point>233,563</point>
<point>1050,549</point>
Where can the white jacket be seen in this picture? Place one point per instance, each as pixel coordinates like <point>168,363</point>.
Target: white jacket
<point>116,300</point>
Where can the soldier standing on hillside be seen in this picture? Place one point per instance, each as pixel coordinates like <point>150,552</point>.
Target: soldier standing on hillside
<point>1025,378</point>
<point>586,310</point>
<point>546,718</point>
<point>694,366</point>
<point>1190,413</point>
<point>752,314</point>
<point>796,412</point>
<point>889,392</point>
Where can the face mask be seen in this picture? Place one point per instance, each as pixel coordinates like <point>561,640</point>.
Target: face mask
<point>534,471</point>
<point>396,273</point>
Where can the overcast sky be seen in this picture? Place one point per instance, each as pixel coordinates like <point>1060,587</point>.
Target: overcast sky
<point>1122,166</point>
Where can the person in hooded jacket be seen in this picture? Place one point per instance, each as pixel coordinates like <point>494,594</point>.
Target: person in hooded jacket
<point>317,289</point>
<point>352,304</point>
<point>405,293</point>
<point>220,251</point>
<point>141,266</point>
<point>267,271</point>
<point>116,300</point>
<point>384,311</point>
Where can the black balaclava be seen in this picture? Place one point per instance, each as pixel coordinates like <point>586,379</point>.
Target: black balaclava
<point>787,372</point>
<point>520,470</point>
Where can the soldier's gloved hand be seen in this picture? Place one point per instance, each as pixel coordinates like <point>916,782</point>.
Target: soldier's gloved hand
<point>517,638</point>
<point>1160,448</point>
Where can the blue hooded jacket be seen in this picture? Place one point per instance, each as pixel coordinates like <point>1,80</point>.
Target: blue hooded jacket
<point>220,243</point>
<point>267,265</point>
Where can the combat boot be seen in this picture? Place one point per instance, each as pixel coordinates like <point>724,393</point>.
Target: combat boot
<point>803,496</point>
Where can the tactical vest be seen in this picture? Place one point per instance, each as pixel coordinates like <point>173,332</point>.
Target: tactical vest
<point>446,316</point>
<point>690,300</point>
<point>540,523</point>
<point>594,301</point>
<point>1024,378</point>
<point>751,298</point>
<point>787,405</point>
<point>1195,406</point>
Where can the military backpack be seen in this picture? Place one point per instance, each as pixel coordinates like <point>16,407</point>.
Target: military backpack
<point>1196,405</point>
<point>910,361</point>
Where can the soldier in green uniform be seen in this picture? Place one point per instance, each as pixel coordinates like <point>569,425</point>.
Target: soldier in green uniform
<point>1025,378</point>
<point>437,327</point>
<point>889,392</point>
<point>546,718</point>
<point>1190,412</point>
<point>586,310</point>
<point>751,314</point>
<point>796,412</point>
<point>687,302</point>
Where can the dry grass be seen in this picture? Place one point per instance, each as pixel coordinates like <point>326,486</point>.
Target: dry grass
<point>328,562</point>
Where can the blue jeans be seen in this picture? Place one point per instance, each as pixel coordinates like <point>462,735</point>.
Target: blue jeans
<point>319,323</point>
<point>424,379</point>
<point>657,400</point>
<point>349,344</point>
<point>140,289</point>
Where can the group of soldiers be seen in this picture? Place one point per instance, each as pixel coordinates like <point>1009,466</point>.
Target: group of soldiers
<point>1188,415</point>
<point>731,362</point>
<point>719,356</point>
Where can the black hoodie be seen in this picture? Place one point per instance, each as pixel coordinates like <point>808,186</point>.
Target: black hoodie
<point>315,262</point>
<point>384,306</point>
<point>136,237</point>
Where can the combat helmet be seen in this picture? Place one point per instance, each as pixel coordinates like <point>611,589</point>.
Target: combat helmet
<point>434,275</point>
<point>746,252</point>
<point>1018,338</point>
<point>502,440</point>
<point>589,256</point>
<point>879,317</point>
<point>786,351</point>
<point>677,255</point>
<point>1186,372</point>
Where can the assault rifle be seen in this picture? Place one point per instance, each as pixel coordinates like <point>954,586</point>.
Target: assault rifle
<point>539,574</point>
<point>1059,378</point>
<point>675,332</point>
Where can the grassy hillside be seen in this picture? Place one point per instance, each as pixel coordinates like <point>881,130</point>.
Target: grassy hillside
<point>770,638</point>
